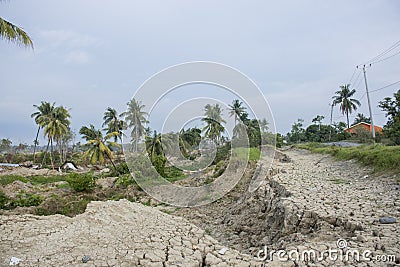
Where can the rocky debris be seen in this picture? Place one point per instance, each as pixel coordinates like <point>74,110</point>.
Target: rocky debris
<point>113,233</point>
<point>303,205</point>
<point>387,220</point>
<point>23,171</point>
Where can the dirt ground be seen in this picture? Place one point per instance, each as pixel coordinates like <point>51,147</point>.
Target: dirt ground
<point>307,202</point>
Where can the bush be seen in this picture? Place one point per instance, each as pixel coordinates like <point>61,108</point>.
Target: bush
<point>81,182</point>
<point>3,200</point>
<point>125,180</point>
<point>22,200</point>
<point>68,206</point>
<point>121,169</point>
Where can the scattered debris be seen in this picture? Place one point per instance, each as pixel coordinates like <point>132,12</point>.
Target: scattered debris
<point>387,220</point>
<point>69,165</point>
<point>223,250</point>
<point>85,259</point>
<point>14,261</point>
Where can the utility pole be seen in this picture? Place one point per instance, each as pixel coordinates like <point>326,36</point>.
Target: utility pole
<point>369,104</point>
<point>330,128</point>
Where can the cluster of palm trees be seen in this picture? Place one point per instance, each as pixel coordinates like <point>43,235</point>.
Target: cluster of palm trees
<point>54,121</point>
<point>101,143</point>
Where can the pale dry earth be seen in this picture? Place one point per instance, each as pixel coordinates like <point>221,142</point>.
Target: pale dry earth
<point>308,201</point>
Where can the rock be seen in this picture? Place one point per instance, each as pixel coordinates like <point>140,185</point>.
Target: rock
<point>85,259</point>
<point>222,251</point>
<point>14,261</point>
<point>387,220</point>
<point>360,238</point>
<point>105,170</point>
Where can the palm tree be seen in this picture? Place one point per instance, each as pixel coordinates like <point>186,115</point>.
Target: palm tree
<point>361,118</point>
<point>41,116</point>
<point>347,104</point>
<point>56,127</point>
<point>154,146</point>
<point>12,33</point>
<point>236,109</point>
<point>263,125</point>
<point>214,121</point>
<point>213,129</point>
<point>114,124</point>
<point>135,117</point>
<point>98,147</point>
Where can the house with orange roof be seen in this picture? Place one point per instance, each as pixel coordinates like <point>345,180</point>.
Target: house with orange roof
<point>362,125</point>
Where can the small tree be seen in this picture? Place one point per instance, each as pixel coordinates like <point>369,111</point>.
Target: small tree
<point>297,134</point>
<point>5,144</point>
<point>392,108</point>
<point>361,118</point>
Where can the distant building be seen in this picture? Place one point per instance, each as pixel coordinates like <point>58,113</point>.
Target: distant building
<point>362,125</point>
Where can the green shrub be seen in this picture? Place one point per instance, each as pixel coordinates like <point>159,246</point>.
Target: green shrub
<point>81,182</point>
<point>24,200</point>
<point>68,206</point>
<point>3,200</point>
<point>125,180</point>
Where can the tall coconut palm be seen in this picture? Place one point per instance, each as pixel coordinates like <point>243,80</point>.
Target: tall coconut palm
<point>347,104</point>
<point>97,146</point>
<point>263,125</point>
<point>214,112</point>
<point>41,117</point>
<point>135,117</point>
<point>214,120</point>
<point>236,109</point>
<point>12,33</point>
<point>213,129</point>
<point>154,146</point>
<point>57,126</point>
<point>113,123</point>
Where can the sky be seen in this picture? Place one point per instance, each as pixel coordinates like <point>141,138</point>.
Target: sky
<point>93,54</point>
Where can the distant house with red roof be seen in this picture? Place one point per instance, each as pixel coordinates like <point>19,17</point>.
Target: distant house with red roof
<point>362,125</point>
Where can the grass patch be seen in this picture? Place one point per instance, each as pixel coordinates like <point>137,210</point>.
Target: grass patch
<point>380,157</point>
<point>244,153</point>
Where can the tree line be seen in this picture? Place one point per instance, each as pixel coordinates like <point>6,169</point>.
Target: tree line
<point>101,144</point>
<point>318,132</point>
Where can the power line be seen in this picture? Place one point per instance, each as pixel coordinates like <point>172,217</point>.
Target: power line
<point>386,58</point>
<point>352,76</point>
<point>385,86</point>
<point>371,61</point>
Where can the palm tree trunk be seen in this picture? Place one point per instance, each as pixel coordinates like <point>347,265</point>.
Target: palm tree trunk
<point>51,153</point>
<point>122,145</point>
<point>34,149</point>
<point>45,153</point>
<point>347,114</point>
<point>112,162</point>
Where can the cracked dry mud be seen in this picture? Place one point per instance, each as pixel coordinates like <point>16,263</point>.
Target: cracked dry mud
<point>306,203</point>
